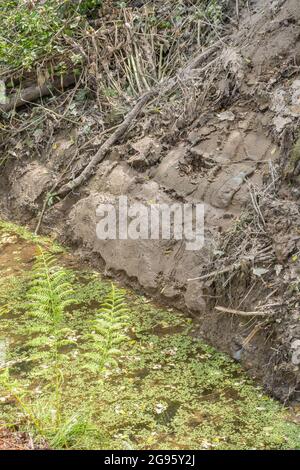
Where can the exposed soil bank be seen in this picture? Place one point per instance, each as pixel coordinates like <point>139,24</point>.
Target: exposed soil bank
<point>228,145</point>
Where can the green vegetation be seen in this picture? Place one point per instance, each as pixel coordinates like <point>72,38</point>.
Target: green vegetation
<point>9,229</point>
<point>108,337</point>
<point>129,375</point>
<point>35,32</point>
<point>45,332</point>
<point>27,33</point>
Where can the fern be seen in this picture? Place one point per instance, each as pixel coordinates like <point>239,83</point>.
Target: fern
<point>51,291</point>
<point>49,295</point>
<point>44,303</point>
<point>108,332</point>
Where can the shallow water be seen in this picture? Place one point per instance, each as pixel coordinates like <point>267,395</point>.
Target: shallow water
<point>168,390</point>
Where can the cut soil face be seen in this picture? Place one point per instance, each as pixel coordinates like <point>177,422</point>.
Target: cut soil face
<point>225,142</point>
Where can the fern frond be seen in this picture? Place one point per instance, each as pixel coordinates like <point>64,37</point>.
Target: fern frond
<point>108,336</point>
<point>50,291</point>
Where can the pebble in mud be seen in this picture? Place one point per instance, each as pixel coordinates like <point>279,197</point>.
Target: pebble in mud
<point>295,346</point>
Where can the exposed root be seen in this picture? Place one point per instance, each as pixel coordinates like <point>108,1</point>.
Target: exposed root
<point>161,89</point>
<point>240,312</point>
<point>100,155</point>
<point>228,269</point>
<point>35,92</point>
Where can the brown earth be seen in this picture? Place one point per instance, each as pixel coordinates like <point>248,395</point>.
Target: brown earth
<point>13,441</point>
<point>225,142</point>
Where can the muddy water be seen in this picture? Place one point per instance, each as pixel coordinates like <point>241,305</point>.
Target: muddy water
<point>168,391</point>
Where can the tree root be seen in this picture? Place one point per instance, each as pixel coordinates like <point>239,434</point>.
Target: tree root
<point>161,89</point>
<point>240,312</point>
<point>100,155</point>
<point>228,269</point>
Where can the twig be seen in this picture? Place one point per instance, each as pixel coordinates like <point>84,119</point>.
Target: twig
<point>240,312</point>
<point>45,203</point>
<point>256,207</point>
<point>216,273</point>
<point>50,111</point>
<point>41,215</point>
<point>250,337</point>
<point>91,141</point>
<point>237,9</point>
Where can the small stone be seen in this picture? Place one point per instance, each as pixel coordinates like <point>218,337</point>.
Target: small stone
<point>226,116</point>
<point>138,161</point>
<point>296,358</point>
<point>295,344</point>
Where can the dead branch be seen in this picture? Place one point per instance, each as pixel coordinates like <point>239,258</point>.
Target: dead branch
<point>232,267</point>
<point>162,88</point>
<point>33,93</point>
<point>253,333</point>
<point>240,312</point>
<point>100,155</point>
